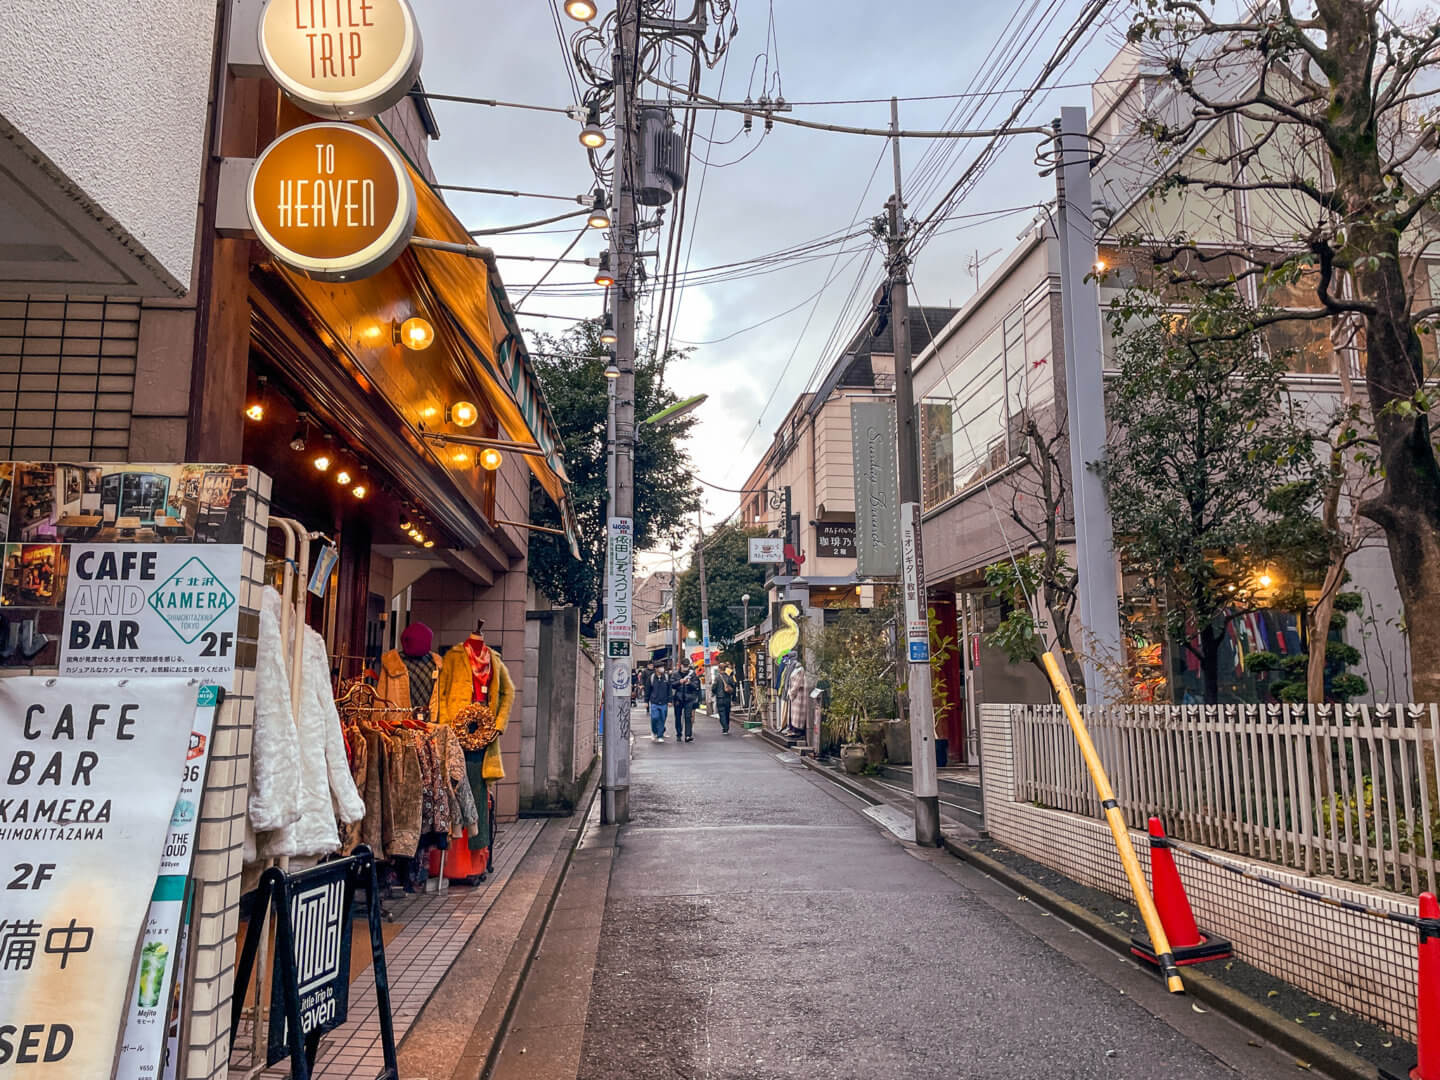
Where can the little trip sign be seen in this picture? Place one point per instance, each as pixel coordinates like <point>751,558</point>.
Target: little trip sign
<point>341,59</point>
<point>332,201</point>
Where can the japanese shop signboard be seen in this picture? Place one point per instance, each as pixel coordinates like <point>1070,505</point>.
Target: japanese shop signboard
<point>341,59</point>
<point>332,201</point>
<point>92,769</point>
<point>619,568</point>
<point>141,609</point>
<point>877,517</point>
<point>767,549</point>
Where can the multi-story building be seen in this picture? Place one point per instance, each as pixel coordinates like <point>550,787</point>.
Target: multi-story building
<point>990,389</point>
<point>809,469</point>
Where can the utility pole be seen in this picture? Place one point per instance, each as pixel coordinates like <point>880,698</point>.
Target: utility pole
<point>704,606</point>
<point>917,623</point>
<point>615,775</point>
<point>1085,404</point>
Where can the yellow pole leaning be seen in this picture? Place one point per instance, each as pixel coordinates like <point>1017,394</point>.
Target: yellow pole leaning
<point>1116,820</point>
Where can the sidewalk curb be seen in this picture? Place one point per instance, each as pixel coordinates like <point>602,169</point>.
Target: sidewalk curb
<point>477,1054</point>
<point>1333,1060</point>
<point>536,921</point>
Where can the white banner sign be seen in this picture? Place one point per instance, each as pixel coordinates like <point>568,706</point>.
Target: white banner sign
<point>912,570</point>
<point>767,549</point>
<point>92,768</point>
<point>149,1005</point>
<point>619,564</point>
<point>152,609</point>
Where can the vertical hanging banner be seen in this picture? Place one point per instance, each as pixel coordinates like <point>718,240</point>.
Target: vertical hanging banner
<point>917,615</point>
<point>877,518</point>
<point>619,614</point>
<point>92,768</point>
<point>150,1002</point>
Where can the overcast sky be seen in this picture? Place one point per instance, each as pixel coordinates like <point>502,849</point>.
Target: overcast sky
<point>797,186</point>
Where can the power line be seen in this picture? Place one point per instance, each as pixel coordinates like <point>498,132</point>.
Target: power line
<point>843,129</point>
<point>551,269</point>
<point>528,225</point>
<point>504,191</point>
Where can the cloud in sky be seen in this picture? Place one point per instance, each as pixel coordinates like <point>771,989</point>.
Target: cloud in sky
<point>795,186</point>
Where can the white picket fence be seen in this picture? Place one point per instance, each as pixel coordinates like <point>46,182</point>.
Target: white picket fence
<point>1342,790</point>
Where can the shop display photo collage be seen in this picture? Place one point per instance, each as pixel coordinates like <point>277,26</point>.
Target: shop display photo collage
<point>46,507</point>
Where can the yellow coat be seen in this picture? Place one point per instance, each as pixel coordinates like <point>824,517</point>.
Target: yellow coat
<point>454,689</point>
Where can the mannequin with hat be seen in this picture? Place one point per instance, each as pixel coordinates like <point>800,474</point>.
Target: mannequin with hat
<point>475,695</point>
<point>410,675</point>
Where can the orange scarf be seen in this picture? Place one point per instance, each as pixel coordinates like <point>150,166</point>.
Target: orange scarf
<point>478,653</point>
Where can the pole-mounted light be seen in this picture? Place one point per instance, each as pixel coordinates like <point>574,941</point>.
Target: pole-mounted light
<point>581,10</point>
<point>607,332</point>
<point>603,277</point>
<point>599,214</point>
<point>592,135</point>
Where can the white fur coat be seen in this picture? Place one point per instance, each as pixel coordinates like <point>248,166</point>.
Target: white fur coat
<point>322,787</point>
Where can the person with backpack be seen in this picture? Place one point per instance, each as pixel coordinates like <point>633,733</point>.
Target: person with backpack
<point>726,690</point>
<point>685,695</point>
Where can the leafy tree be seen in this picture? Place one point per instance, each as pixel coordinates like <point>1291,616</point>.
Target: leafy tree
<point>1296,670</point>
<point>1038,501</point>
<point>729,575</point>
<point>665,490</point>
<point>1207,471</point>
<point>1336,102</point>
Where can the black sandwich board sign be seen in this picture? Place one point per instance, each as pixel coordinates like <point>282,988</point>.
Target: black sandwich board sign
<point>310,991</point>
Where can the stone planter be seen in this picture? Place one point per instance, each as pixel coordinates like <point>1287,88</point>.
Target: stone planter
<point>852,757</point>
<point>897,742</point>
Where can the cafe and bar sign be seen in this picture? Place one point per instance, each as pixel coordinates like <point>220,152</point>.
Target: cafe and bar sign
<point>332,201</point>
<point>341,59</point>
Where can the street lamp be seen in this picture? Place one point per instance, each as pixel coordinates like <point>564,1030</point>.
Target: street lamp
<point>745,604</point>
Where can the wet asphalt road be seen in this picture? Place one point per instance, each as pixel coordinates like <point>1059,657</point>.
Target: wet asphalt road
<point>758,928</point>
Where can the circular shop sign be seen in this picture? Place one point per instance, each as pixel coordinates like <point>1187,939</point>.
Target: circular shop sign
<point>341,59</point>
<point>332,201</point>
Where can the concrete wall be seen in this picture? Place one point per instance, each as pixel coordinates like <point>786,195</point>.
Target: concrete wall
<point>116,97</point>
<point>558,744</point>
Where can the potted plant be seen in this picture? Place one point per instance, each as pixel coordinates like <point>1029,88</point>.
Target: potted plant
<point>942,647</point>
<point>854,662</point>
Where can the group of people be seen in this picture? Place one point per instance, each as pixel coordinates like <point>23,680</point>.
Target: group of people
<point>682,690</point>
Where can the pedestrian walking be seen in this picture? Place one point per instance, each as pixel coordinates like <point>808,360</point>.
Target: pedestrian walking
<point>685,695</point>
<point>657,696</point>
<point>726,689</point>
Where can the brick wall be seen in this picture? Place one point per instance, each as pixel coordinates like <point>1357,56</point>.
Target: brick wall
<point>221,836</point>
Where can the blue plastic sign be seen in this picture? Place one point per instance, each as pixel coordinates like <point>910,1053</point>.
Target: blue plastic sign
<point>919,652</point>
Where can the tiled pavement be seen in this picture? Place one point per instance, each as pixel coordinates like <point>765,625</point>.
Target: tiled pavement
<point>435,929</point>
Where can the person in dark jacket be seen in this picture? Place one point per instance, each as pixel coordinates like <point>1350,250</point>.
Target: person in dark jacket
<point>684,696</point>
<point>725,691</point>
<point>657,696</point>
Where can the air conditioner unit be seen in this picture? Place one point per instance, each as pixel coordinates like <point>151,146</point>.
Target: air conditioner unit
<point>662,158</point>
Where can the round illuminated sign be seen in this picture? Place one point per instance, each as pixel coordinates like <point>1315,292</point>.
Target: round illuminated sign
<point>332,201</point>
<point>342,59</point>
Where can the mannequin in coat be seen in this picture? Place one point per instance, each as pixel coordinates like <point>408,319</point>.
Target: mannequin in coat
<point>457,688</point>
<point>471,672</point>
<point>401,669</point>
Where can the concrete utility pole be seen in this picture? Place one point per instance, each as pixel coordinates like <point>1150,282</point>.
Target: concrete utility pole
<point>1085,404</point>
<point>615,775</point>
<point>917,625</point>
<point>704,602</point>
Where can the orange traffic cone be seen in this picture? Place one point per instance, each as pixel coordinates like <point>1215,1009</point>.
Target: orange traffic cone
<point>1187,943</point>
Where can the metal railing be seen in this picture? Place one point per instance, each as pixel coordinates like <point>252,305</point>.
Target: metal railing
<point>1341,790</point>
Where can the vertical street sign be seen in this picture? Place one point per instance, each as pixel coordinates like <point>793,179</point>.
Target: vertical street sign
<point>877,525</point>
<point>619,632</point>
<point>917,620</point>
